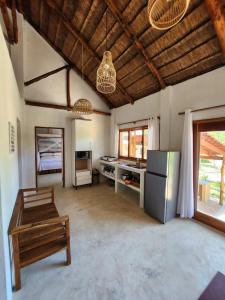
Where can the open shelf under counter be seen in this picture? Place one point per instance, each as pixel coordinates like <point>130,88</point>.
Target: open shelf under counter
<point>133,187</point>
<point>123,166</point>
<point>108,176</point>
<point>111,165</point>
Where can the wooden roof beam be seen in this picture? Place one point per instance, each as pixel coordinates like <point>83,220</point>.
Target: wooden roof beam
<point>7,21</point>
<point>68,98</point>
<point>43,76</point>
<point>74,67</point>
<point>136,42</point>
<point>218,19</point>
<point>14,22</point>
<point>212,147</point>
<point>61,107</point>
<point>208,156</point>
<point>59,51</point>
<point>72,29</point>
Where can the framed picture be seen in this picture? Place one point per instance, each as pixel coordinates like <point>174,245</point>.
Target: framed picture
<point>12,140</point>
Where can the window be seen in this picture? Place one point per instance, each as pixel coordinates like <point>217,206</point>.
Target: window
<point>133,143</point>
<point>124,143</point>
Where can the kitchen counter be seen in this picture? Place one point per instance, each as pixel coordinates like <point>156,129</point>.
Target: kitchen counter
<point>127,167</point>
<point>117,168</point>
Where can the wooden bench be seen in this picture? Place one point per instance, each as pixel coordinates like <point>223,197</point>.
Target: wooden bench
<point>36,229</point>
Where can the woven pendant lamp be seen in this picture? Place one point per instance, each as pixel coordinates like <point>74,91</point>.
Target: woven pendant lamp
<point>164,14</point>
<point>106,73</point>
<point>82,106</point>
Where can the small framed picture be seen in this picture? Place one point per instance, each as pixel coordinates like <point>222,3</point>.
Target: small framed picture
<point>12,140</point>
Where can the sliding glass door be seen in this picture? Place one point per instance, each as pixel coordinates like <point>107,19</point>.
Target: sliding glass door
<point>209,165</point>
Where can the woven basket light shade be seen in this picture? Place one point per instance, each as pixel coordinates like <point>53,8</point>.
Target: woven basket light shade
<point>164,14</point>
<point>83,107</point>
<point>106,75</point>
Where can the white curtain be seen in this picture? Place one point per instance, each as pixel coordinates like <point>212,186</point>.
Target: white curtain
<point>116,142</point>
<point>186,193</point>
<point>153,133</point>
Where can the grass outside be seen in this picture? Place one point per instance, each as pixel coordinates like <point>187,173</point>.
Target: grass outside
<point>210,172</point>
<point>215,190</point>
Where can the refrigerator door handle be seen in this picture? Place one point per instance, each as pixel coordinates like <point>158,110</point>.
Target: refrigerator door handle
<point>157,174</point>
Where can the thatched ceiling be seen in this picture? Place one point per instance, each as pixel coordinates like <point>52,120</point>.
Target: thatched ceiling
<point>187,50</point>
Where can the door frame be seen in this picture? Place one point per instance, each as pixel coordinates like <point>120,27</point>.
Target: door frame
<point>63,167</point>
<point>201,126</point>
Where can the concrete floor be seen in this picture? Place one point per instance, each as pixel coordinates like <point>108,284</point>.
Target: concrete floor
<point>50,179</point>
<point>120,253</point>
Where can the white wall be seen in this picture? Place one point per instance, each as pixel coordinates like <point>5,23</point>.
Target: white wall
<point>202,91</point>
<point>17,55</point>
<point>16,51</point>
<point>2,256</point>
<point>47,117</point>
<point>37,58</point>
<point>11,108</point>
<point>40,58</point>
<point>141,109</point>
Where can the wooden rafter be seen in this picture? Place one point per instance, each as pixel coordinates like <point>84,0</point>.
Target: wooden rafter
<point>93,7</point>
<point>61,107</point>
<point>7,21</point>
<point>68,99</point>
<point>171,52</point>
<point>71,28</point>
<point>14,20</point>
<point>159,49</point>
<point>212,147</point>
<point>217,13</point>
<point>136,42</point>
<point>210,156</point>
<point>43,76</point>
<point>183,73</point>
<point>41,12</point>
<point>19,5</point>
<point>59,51</point>
<point>59,25</point>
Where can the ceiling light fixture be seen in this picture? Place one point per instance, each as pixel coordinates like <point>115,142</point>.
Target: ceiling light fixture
<point>106,73</point>
<point>164,14</point>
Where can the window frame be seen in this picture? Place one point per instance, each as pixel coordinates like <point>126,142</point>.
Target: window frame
<point>142,128</point>
<point>216,124</point>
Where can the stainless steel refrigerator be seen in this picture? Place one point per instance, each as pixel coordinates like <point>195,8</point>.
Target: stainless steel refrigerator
<point>161,184</point>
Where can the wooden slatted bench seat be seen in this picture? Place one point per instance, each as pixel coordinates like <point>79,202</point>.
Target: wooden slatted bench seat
<point>36,229</point>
